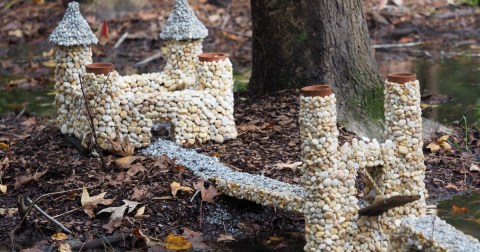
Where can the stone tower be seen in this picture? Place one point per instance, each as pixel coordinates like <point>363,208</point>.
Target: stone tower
<point>72,38</point>
<point>183,34</point>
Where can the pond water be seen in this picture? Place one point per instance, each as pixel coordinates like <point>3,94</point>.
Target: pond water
<point>463,212</point>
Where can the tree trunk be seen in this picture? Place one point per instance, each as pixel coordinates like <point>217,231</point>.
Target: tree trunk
<point>305,42</point>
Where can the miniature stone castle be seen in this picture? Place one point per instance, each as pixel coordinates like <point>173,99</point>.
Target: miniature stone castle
<point>392,168</point>
<point>193,93</point>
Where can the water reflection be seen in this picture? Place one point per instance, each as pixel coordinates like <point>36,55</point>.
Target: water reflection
<point>451,86</point>
<point>467,219</point>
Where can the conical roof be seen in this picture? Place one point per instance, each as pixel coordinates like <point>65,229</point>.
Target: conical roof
<point>73,30</point>
<point>183,24</point>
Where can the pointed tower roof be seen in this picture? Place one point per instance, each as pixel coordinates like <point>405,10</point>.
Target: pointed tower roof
<point>183,24</point>
<point>73,30</point>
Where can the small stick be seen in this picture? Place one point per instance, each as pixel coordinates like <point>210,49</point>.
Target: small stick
<point>410,44</point>
<point>120,40</point>
<point>50,218</point>
<point>62,214</point>
<point>194,195</point>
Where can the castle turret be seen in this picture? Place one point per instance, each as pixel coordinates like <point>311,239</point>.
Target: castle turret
<point>183,34</point>
<point>72,38</point>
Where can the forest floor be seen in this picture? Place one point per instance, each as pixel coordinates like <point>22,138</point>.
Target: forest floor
<point>35,159</point>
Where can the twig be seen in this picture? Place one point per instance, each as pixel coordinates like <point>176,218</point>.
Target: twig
<point>120,40</point>
<point>230,31</point>
<point>62,214</point>
<point>50,218</point>
<point>151,58</point>
<point>384,46</point>
<point>24,215</point>
<point>92,125</point>
<point>194,195</point>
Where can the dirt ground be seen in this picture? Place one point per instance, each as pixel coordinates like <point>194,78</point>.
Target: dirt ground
<point>36,160</point>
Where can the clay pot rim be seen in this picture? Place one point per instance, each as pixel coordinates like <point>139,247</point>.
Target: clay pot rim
<point>401,78</point>
<point>213,56</point>
<point>317,90</point>
<point>99,68</point>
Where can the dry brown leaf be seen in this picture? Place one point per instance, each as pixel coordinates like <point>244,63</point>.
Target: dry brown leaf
<point>224,237</point>
<point>4,146</point>
<point>3,189</point>
<point>137,194</point>
<point>452,186</point>
<point>90,203</point>
<point>8,212</point>
<point>140,212</point>
<point>474,167</point>
<point>64,247</point>
<point>208,195</point>
<point>136,168</point>
<point>175,186</point>
<point>122,148</point>
<point>177,242</point>
<point>443,138</point>
<point>292,166</point>
<point>21,180</point>
<point>459,210</point>
<point>118,212</point>
<point>125,162</point>
<point>138,234</point>
<point>59,237</point>
<point>113,224</point>
<point>433,147</point>
<point>4,164</point>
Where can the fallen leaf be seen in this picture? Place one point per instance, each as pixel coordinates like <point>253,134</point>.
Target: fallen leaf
<point>433,147</point>
<point>122,148</point>
<point>177,242</point>
<point>64,247</point>
<point>8,212</point>
<point>452,186</point>
<point>113,224</point>
<point>292,166</point>
<point>196,238</point>
<point>224,237</point>
<point>49,63</point>
<point>175,186</point>
<point>208,195</point>
<point>136,168</point>
<point>4,146</point>
<point>21,180</point>
<point>459,210</point>
<point>477,220</point>
<point>118,212</point>
<point>29,122</point>
<point>3,189</point>
<point>137,194</point>
<point>90,203</point>
<point>443,138</point>
<point>138,234</point>
<point>140,212</point>
<point>4,164</point>
<point>59,237</point>
<point>125,162</point>
<point>474,167</point>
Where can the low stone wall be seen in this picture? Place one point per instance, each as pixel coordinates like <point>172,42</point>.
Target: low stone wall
<point>430,233</point>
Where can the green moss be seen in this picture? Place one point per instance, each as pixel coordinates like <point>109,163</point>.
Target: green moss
<point>301,38</point>
<point>370,102</point>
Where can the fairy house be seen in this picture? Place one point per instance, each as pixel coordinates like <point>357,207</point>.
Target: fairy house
<point>194,93</point>
<point>72,38</point>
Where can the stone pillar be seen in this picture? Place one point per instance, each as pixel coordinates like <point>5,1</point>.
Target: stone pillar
<point>70,64</point>
<point>215,77</point>
<point>180,69</point>
<point>404,174</point>
<point>100,93</point>
<point>326,195</point>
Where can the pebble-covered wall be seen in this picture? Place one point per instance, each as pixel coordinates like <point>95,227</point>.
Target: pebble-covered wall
<point>392,168</point>
<point>194,92</point>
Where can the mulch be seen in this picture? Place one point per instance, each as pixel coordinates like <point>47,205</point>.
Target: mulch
<point>268,136</point>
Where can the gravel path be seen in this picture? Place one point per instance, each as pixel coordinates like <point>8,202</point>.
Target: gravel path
<point>443,233</point>
<point>209,167</point>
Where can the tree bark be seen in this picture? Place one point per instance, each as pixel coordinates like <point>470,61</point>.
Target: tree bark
<point>305,42</point>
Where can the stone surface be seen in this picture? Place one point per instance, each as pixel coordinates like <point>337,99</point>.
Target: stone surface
<point>183,24</point>
<point>73,30</point>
